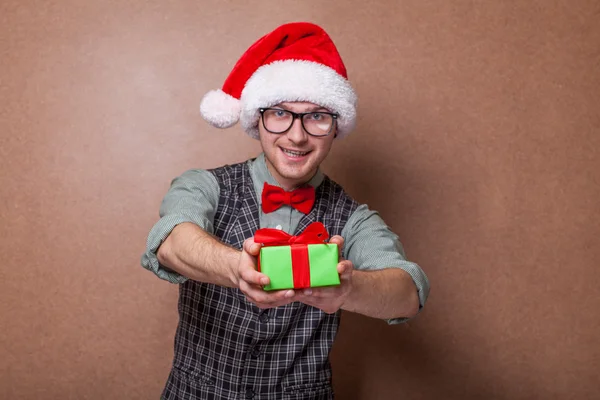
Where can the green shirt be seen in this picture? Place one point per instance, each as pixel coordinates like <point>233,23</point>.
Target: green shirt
<point>193,197</point>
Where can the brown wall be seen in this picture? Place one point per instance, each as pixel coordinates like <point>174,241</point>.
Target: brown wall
<point>478,142</point>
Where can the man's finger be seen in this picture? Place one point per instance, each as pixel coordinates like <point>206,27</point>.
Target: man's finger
<point>289,296</point>
<point>345,268</point>
<point>259,296</point>
<point>323,292</point>
<point>337,239</point>
<point>248,262</point>
<point>252,248</point>
<point>252,276</point>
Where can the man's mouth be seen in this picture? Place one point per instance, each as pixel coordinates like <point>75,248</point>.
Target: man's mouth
<point>294,153</point>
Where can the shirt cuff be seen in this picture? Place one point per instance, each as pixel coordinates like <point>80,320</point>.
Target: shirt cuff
<point>157,236</point>
<point>421,282</point>
<point>150,262</point>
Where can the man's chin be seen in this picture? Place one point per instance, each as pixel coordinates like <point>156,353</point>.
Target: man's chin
<point>295,174</point>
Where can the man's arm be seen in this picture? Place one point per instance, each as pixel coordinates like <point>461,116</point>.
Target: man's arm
<point>192,198</point>
<point>376,279</point>
<point>180,246</point>
<point>197,255</point>
<point>193,253</point>
<point>386,294</point>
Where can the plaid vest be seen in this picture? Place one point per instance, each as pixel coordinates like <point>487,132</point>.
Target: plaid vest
<point>225,346</point>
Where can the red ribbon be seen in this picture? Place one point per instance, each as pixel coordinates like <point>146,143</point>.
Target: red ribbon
<point>315,233</point>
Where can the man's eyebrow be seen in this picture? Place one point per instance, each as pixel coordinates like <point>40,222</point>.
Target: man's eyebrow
<point>308,109</point>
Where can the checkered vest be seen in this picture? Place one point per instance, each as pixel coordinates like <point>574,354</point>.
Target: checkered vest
<point>225,346</point>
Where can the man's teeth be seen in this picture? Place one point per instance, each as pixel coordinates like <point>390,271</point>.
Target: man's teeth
<point>295,153</point>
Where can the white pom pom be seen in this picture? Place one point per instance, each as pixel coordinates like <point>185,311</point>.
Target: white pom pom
<point>220,109</point>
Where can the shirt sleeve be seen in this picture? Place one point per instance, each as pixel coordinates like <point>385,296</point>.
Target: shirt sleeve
<point>193,197</point>
<point>371,245</point>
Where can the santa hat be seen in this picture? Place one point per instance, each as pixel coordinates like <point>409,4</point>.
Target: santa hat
<point>295,62</point>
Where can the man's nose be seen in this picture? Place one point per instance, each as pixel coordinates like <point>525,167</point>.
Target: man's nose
<point>296,133</point>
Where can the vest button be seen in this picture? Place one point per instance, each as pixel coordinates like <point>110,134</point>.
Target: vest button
<point>255,352</point>
<point>249,393</point>
<point>263,317</point>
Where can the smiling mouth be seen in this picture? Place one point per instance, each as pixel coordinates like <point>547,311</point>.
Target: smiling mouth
<point>294,153</point>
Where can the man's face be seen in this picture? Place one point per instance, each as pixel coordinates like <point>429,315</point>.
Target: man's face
<point>294,156</point>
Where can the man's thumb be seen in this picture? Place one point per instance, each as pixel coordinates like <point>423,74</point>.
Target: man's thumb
<point>251,248</point>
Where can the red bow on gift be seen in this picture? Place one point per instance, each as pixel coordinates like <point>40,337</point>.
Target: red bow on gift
<point>301,199</point>
<point>315,233</point>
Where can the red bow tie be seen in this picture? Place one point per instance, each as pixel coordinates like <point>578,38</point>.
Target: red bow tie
<point>301,199</point>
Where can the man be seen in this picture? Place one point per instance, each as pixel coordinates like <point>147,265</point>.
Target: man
<point>234,339</point>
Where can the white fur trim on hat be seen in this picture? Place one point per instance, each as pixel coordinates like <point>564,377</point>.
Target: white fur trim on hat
<point>220,109</point>
<point>295,80</point>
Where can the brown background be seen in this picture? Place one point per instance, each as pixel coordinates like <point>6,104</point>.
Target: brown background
<point>478,143</point>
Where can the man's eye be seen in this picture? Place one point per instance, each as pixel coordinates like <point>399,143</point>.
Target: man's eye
<point>280,113</point>
<point>316,116</point>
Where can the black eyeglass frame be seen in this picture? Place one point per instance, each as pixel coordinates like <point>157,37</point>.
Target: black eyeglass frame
<point>301,117</point>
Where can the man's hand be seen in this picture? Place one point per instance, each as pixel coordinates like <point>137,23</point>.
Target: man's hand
<point>330,299</point>
<point>250,281</point>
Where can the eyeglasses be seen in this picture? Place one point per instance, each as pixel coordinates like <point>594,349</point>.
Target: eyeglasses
<point>315,123</point>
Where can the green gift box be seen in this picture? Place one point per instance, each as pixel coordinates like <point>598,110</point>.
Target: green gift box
<point>306,261</point>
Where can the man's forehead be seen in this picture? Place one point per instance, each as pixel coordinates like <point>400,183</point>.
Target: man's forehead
<point>301,106</point>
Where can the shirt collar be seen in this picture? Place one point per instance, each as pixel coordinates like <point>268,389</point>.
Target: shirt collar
<point>260,174</point>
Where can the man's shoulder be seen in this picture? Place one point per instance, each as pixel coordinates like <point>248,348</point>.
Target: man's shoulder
<point>233,166</point>
<point>212,176</point>
<point>232,175</point>
<point>340,200</point>
<point>231,171</point>
<point>337,190</point>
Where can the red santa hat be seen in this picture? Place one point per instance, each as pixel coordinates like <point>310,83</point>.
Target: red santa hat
<point>295,62</point>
